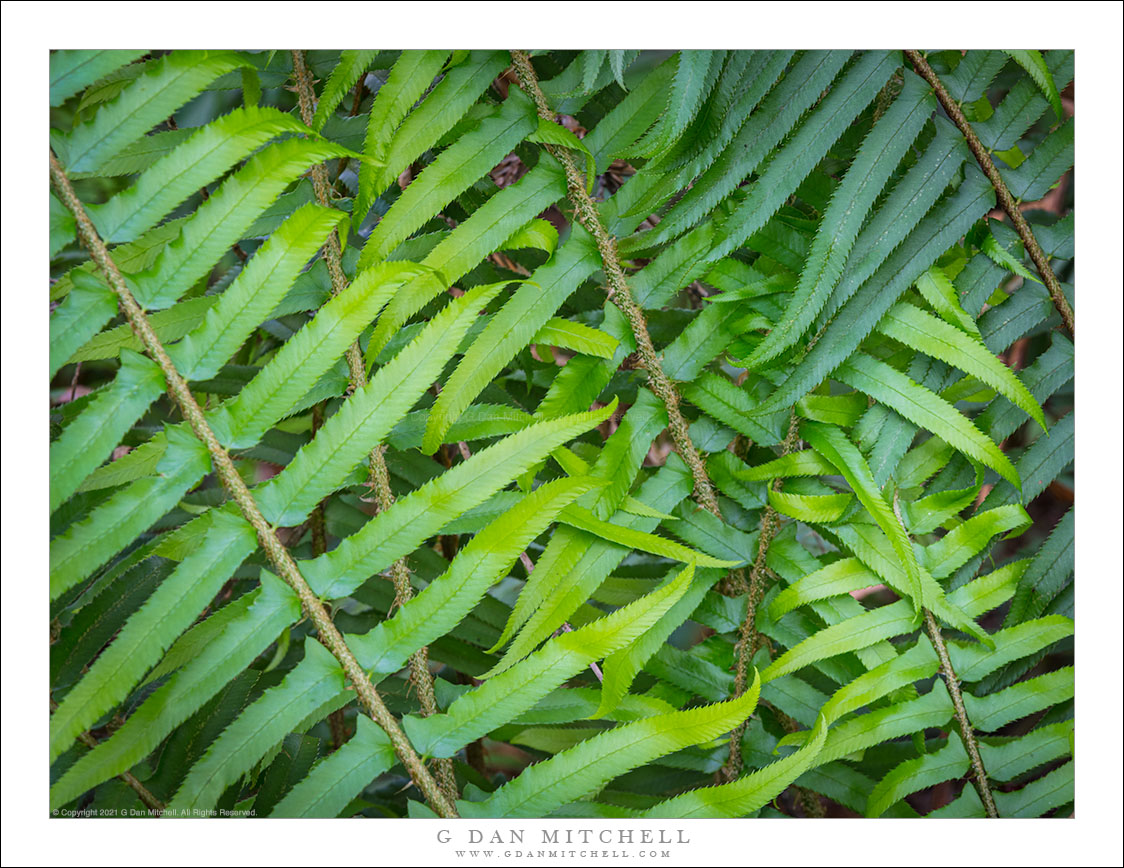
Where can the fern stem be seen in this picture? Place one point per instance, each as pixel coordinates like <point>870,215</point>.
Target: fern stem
<point>224,468</point>
<point>420,676</point>
<point>770,523</point>
<point>1006,200</point>
<point>969,735</point>
<point>332,252</point>
<point>619,293</point>
<point>749,640</point>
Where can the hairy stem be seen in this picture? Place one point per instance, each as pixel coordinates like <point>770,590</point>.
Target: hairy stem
<point>619,293</point>
<point>1006,200</point>
<point>333,258</point>
<point>770,524</point>
<point>749,640</point>
<point>420,676</point>
<point>379,479</point>
<point>966,731</point>
<point>224,468</point>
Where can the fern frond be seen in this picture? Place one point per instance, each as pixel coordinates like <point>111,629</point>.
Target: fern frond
<point>245,634</point>
<point>773,407</point>
<point>203,157</point>
<point>422,128</point>
<point>449,174</point>
<point>398,530</point>
<point>169,611</point>
<point>88,440</point>
<point>598,760</point>
<point>314,682</point>
<point>163,86</point>
<point>350,69</point>
<point>223,219</point>
<point>335,780</point>
<point>516,689</point>
<point>75,70</point>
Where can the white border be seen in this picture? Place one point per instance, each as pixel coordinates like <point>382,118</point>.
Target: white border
<point>30,29</point>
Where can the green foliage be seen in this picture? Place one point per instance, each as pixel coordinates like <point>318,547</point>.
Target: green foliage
<point>869,367</point>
